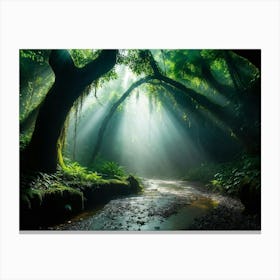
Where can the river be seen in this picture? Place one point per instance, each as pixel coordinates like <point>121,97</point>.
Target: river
<point>163,205</point>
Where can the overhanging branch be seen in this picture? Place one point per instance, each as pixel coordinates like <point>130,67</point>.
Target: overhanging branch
<point>112,111</point>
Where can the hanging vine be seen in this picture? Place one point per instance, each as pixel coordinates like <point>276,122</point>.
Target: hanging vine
<point>78,105</point>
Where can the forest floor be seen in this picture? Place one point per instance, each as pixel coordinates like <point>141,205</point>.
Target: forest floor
<point>166,205</point>
<point>47,199</point>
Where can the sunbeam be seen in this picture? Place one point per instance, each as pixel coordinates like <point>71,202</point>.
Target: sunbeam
<point>152,142</point>
<point>137,139</point>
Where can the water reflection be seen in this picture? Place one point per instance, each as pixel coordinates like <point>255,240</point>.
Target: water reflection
<point>163,205</point>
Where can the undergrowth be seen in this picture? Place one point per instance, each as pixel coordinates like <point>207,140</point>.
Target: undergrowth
<point>229,177</point>
<point>75,171</point>
<point>24,139</point>
<point>108,169</point>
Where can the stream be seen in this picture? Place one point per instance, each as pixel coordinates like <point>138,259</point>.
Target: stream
<point>163,205</point>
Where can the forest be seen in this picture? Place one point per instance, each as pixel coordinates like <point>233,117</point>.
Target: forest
<point>140,139</point>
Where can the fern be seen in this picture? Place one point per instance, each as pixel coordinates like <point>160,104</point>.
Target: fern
<point>75,170</point>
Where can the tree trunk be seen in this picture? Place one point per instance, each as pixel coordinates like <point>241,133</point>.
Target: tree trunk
<point>42,152</point>
<point>111,113</point>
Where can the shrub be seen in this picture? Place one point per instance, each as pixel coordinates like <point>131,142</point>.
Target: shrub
<point>76,171</point>
<point>229,177</point>
<point>109,168</point>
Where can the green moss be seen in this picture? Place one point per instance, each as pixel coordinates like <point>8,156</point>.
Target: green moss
<point>105,190</point>
<point>52,205</point>
<point>59,188</point>
<point>114,182</point>
<point>47,199</point>
<point>59,196</point>
<point>60,156</point>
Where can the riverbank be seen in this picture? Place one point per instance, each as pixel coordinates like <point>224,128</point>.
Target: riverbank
<point>46,200</point>
<point>229,214</point>
<point>166,206</point>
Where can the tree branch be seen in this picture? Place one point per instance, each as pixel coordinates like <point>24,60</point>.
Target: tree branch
<point>61,61</point>
<point>214,108</point>
<point>112,111</point>
<point>154,65</point>
<point>98,67</point>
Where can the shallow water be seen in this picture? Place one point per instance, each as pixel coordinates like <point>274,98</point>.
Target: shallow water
<point>163,205</point>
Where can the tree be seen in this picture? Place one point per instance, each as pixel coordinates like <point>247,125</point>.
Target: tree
<point>42,152</point>
<point>234,121</point>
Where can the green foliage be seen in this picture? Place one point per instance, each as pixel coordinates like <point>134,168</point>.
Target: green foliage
<point>220,71</point>
<point>36,78</point>
<point>233,177</point>
<point>110,75</point>
<point>81,57</point>
<point>59,188</point>
<point>188,67</point>
<point>71,171</point>
<point>137,60</point>
<point>24,139</point>
<point>229,177</point>
<point>39,56</point>
<point>112,168</point>
<point>39,180</point>
<point>203,173</point>
<point>108,168</point>
<point>76,171</point>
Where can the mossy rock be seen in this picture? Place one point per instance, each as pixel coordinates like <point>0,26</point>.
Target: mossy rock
<point>59,202</point>
<point>58,196</point>
<point>43,207</point>
<point>105,190</point>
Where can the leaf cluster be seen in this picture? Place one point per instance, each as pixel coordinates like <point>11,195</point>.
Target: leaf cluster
<point>77,172</point>
<point>39,180</point>
<point>24,139</point>
<point>137,60</point>
<point>229,177</point>
<point>81,57</point>
<point>110,169</point>
<point>39,56</point>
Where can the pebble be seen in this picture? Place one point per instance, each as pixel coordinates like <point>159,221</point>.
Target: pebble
<point>133,212</point>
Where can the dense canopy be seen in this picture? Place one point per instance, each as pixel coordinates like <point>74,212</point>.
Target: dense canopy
<point>153,113</point>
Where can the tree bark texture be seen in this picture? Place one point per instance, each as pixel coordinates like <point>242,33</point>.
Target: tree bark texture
<point>42,152</point>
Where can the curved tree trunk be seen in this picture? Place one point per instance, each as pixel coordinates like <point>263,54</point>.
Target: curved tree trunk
<point>42,152</point>
<point>111,113</point>
<point>171,85</point>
